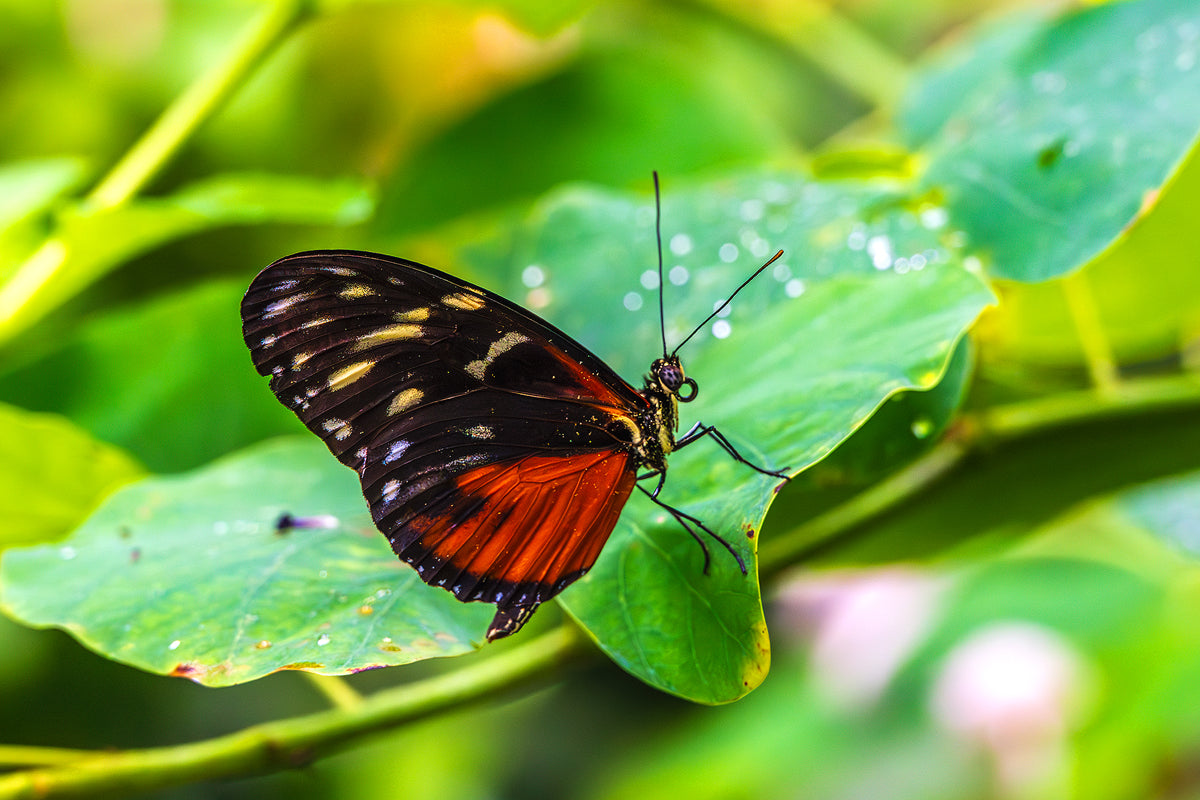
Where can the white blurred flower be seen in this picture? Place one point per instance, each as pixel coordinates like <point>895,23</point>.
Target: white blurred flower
<point>1015,690</point>
<point>863,627</point>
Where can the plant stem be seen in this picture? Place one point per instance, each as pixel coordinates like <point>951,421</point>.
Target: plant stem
<point>144,160</point>
<point>1097,352</point>
<point>197,104</point>
<point>297,741</point>
<point>785,549</point>
<point>986,428</point>
<point>834,43</point>
<point>12,755</point>
<point>336,690</point>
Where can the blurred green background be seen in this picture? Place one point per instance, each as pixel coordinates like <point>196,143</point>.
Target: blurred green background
<point>1026,630</point>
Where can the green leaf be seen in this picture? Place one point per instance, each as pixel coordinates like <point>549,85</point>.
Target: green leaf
<point>52,475</point>
<point>187,575</point>
<point>1048,163</point>
<point>1154,528</point>
<point>169,380</point>
<point>867,302</point>
<point>90,242</point>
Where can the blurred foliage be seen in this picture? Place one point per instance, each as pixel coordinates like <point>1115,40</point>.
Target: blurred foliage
<point>987,587</point>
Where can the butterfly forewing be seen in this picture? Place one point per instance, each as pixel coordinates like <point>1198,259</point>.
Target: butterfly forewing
<point>493,450</point>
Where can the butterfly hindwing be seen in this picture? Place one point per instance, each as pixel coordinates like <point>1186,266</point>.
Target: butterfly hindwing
<point>493,450</point>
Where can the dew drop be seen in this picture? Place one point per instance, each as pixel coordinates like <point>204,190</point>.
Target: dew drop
<point>681,244</point>
<point>917,261</point>
<point>538,298</point>
<point>721,329</point>
<point>649,280</point>
<point>934,218</point>
<point>533,276</point>
<point>922,427</point>
<point>323,640</point>
<point>262,645</point>
<point>879,248</point>
<point>728,252</point>
<point>382,593</point>
<point>66,553</point>
<point>632,301</point>
<point>678,275</point>
<point>1049,82</point>
<point>794,287</point>
<point>322,574</point>
<point>366,610</point>
<point>174,645</point>
<point>752,210</point>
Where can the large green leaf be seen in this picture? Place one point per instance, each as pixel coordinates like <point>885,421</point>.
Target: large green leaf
<point>187,575</point>
<point>1046,164</point>
<point>52,475</point>
<point>868,301</point>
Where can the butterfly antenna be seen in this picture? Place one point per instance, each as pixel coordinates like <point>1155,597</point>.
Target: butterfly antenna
<point>662,317</point>
<point>728,300</point>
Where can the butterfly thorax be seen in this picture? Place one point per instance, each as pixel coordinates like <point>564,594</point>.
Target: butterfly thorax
<point>657,424</point>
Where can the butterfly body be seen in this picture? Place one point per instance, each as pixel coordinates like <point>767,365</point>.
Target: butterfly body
<point>495,452</point>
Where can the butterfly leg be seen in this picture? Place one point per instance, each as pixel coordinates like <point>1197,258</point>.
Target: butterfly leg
<point>700,430</point>
<point>662,477</point>
<point>687,520</point>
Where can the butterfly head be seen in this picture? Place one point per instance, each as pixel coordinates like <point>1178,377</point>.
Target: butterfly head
<point>666,375</point>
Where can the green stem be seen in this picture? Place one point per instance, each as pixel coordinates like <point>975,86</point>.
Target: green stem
<point>336,690</point>
<point>197,104</point>
<point>12,755</point>
<point>1097,352</point>
<point>835,44</point>
<point>19,296</point>
<point>785,549</point>
<point>297,741</point>
<point>986,428</point>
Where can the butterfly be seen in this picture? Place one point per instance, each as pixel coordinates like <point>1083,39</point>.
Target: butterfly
<point>495,451</point>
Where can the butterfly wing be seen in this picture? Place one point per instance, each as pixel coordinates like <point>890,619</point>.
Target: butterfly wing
<point>494,451</point>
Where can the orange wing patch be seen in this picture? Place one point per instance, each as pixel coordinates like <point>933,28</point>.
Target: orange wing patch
<point>594,389</point>
<point>519,531</point>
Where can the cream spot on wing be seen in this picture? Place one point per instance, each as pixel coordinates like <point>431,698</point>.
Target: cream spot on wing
<point>464,301</point>
<point>477,369</point>
<point>480,431</point>
<point>395,451</point>
<point>350,374</point>
<point>279,306</point>
<point>413,315</point>
<point>390,490</point>
<point>404,401</point>
<point>339,428</point>
<point>355,291</point>
<point>316,321</point>
<point>299,359</point>
<point>341,271</point>
<point>388,333</point>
